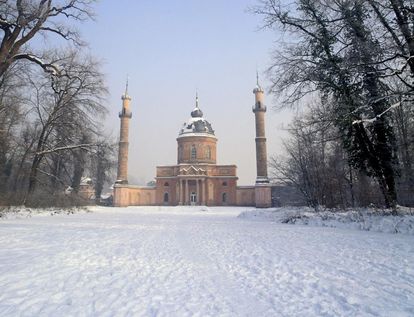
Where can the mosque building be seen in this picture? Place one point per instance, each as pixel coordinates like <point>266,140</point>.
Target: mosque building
<point>196,179</point>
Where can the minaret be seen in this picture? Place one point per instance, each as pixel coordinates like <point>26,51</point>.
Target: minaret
<point>263,195</point>
<point>259,110</point>
<point>125,115</point>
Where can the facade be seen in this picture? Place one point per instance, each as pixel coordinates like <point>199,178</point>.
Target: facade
<point>196,179</point>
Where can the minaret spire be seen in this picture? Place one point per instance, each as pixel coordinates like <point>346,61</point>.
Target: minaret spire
<point>258,88</point>
<point>126,86</point>
<point>197,99</point>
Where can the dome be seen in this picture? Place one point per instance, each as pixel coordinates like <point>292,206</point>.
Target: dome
<point>196,124</point>
<point>257,89</point>
<point>196,113</point>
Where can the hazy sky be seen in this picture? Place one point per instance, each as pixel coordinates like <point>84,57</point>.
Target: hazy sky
<point>170,49</point>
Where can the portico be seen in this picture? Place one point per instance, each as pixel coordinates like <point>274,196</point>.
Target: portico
<point>192,191</point>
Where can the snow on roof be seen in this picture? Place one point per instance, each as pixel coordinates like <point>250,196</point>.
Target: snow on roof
<point>86,181</point>
<point>188,134</point>
<point>197,126</point>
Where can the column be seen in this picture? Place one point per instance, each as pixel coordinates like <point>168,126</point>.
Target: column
<point>197,192</point>
<point>186,198</point>
<point>180,193</point>
<point>203,191</point>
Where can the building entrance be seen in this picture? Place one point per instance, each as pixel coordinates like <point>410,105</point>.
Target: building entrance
<point>193,198</point>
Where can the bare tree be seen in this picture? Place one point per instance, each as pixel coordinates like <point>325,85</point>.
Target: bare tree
<point>11,113</point>
<point>336,52</point>
<point>23,20</point>
<point>75,105</point>
<point>397,31</point>
<point>310,149</point>
<point>317,165</point>
<point>103,163</point>
<point>46,111</point>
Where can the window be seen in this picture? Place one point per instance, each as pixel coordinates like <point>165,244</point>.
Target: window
<point>224,184</point>
<point>224,197</point>
<point>193,152</point>
<point>180,153</point>
<point>166,197</point>
<point>208,153</point>
<point>166,184</point>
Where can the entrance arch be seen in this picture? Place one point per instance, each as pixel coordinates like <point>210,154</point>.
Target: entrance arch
<point>224,198</point>
<point>193,198</point>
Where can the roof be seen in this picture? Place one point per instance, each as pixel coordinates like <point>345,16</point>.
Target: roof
<point>196,125</point>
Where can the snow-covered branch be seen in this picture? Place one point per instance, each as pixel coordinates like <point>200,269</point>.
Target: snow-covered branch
<point>47,67</point>
<point>51,176</point>
<point>65,148</point>
<point>372,120</point>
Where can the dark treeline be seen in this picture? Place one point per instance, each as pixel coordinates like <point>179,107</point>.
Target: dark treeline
<point>350,64</point>
<point>51,106</point>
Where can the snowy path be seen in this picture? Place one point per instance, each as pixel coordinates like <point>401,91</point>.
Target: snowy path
<point>187,262</point>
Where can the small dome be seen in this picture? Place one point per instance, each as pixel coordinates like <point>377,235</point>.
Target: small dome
<point>196,113</point>
<point>257,89</point>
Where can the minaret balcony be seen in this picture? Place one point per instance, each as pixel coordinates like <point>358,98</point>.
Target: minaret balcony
<point>125,114</point>
<point>259,108</point>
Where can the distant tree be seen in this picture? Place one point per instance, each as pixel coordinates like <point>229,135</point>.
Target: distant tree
<point>103,164</point>
<point>309,163</point>
<point>11,113</point>
<point>79,160</point>
<point>317,165</point>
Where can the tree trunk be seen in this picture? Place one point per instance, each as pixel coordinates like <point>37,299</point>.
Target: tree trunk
<point>32,178</point>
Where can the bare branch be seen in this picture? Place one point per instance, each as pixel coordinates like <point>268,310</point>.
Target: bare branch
<point>47,67</point>
<point>66,148</point>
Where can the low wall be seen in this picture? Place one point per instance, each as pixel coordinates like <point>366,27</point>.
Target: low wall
<point>245,196</point>
<point>128,195</point>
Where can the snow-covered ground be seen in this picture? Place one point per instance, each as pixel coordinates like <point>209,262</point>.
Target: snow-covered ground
<point>155,261</point>
<point>360,219</point>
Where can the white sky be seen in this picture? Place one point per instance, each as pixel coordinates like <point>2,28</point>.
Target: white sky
<point>170,49</point>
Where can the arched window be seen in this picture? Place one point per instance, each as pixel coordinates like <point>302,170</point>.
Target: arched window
<point>224,197</point>
<point>224,184</point>
<point>166,184</point>
<point>166,197</point>
<point>180,153</point>
<point>193,152</point>
<point>208,153</point>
